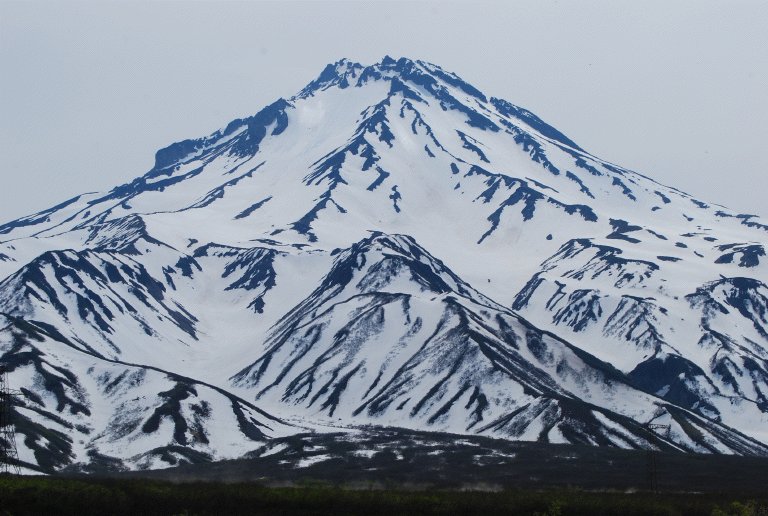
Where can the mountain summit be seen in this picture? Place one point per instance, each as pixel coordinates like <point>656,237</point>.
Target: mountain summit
<point>392,247</point>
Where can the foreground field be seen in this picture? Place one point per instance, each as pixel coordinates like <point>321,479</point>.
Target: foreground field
<point>45,495</point>
<point>396,472</point>
<point>387,458</point>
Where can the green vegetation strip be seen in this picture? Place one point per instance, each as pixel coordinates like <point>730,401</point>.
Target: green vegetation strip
<point>50,495</point>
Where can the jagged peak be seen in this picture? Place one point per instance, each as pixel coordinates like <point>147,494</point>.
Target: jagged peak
<point>412,78</point>
<point>338,73</point>
<point>408,76</point>
<point>344,73</point>
<point>414,70</point>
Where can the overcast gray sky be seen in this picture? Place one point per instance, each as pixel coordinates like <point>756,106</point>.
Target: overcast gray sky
<point>671,88</point>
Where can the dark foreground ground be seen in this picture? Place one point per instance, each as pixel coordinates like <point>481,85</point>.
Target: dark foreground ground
<point>395,458</point>
<point>93,496</point>
<point>393,472</point>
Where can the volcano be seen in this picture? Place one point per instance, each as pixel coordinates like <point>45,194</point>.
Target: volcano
<point>389,247</point>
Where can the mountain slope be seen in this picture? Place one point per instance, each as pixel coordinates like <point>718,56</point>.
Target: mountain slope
<point>288,262</point>
<point>79,409</point>
<point>391,336</point>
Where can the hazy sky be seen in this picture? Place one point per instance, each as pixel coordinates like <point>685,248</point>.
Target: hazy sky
<point>673,89</point>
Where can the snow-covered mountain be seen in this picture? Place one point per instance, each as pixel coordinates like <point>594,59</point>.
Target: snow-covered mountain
<point>387,247</point>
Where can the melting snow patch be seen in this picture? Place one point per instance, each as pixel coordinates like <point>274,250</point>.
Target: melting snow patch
<point>308,461</point>
<point>462,442</point>
<point>364,453</point>
<point>272,451</point>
